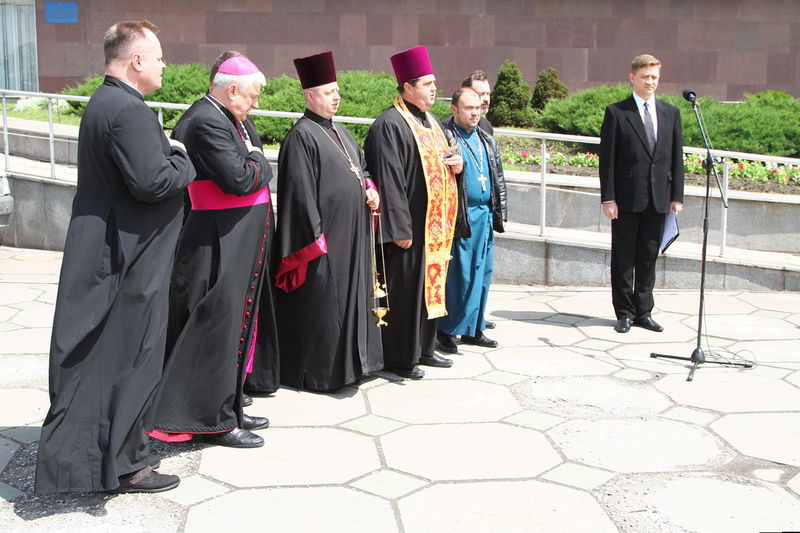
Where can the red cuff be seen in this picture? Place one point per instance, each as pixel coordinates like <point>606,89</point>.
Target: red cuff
<point>370,184</point>
<point>292,269</point>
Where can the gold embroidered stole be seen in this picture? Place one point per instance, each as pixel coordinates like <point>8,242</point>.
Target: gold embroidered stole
<point>440,215</point>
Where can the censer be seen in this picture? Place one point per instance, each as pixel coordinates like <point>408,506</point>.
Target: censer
<point>379,289</point>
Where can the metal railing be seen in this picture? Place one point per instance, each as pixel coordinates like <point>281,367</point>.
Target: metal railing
<point>543,137</point>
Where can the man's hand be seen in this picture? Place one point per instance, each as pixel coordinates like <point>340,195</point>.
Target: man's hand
<point>406,244</point>
<point>610,210</point>
<point>373,199</point>
<point>677,207</point>
<point>176,142</point>
<point>455,162</point>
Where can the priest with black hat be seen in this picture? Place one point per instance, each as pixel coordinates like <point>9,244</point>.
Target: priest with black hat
<point>327,334</point>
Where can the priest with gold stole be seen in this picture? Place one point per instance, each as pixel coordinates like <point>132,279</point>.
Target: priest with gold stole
<point>414,166</point>
<point>327,333</point>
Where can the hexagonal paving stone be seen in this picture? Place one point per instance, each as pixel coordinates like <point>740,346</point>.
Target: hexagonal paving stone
<point>40,317</point>
<point>329,509</point>
<point>713,304</point>
<point>552,361</point>
<point>775,301</point>
<point>794,379</point>
<point>770,436</point>
<point>295,456</point>
<point>290,407</point>
<point>465,365</point>
<point>459,451</point>
<point>639,445</point>
<point>590,304</point>
<point>35,404</point>
<point>783,353</point>
<point>11,293</point>
<point>517,309</point>
<point>7,312</point>
<point>731,391</point>
<point>388,483</point>
<point>699,502</point>
<point>25,341</point>
<point>430,402</point>
<point>519,506</point>
<point>749,327</point>
<point>638,356</point>
<point>603,328</point>
<point>535,333</point>
<point>590,397</point>
<point>24,371</point>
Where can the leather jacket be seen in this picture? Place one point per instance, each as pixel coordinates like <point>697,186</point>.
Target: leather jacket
<point>498,190</point>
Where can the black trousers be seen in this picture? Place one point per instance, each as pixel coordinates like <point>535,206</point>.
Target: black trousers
<point>635,239</point>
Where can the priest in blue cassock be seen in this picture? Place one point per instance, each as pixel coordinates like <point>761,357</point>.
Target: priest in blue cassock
<point>327,333</point>
<point>220,269</point>
<point>481,211</point>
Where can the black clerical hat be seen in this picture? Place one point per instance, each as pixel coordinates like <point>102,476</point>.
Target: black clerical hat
<point>315,70</point>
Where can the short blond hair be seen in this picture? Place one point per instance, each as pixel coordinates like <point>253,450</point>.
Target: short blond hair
<point>644,60</point>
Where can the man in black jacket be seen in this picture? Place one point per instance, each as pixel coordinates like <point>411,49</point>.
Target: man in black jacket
<point>481,211</point>
<point>641,180</point>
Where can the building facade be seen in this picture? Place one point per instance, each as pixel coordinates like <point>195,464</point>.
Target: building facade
<point>720,48</point>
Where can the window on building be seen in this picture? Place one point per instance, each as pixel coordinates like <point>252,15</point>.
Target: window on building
<point>18,61</point>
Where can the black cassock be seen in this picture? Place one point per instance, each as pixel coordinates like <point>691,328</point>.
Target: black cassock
<point>327,332</point>
<point>218,281</point>
<point>394,162</point>
<point>110,324</point>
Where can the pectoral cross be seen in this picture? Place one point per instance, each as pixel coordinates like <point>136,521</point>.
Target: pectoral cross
<point>354,169</point>
<point>482,179</point>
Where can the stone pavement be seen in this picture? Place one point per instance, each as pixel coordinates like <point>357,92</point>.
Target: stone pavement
<point>567,426</point>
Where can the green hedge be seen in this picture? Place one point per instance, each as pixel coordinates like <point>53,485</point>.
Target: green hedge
<point>763,123</point>
<point>364,94</point>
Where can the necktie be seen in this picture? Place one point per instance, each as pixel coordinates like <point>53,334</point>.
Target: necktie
<point>649,129</point>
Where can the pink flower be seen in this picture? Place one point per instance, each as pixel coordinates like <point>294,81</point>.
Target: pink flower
<point>523,153</point>
<point>774,170</point>
<point>741,166</point>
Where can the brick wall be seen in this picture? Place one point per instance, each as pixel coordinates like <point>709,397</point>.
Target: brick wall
<point>720,48</point>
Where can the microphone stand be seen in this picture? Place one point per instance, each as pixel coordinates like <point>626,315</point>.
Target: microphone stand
<point>698,357</point>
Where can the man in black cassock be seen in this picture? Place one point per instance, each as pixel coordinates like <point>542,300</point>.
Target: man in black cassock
<point>417,223</point>
<point>219,270</point>
<point>109,329</point>
<point>327,332</point>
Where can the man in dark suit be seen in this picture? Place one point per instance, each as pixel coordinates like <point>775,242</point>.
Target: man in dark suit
<point>641,180</point>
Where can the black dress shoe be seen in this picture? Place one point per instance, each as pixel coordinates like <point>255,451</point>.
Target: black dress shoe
<point>623,325</point>
<point>489,325</point>
<point>146,480</point>
<point>445,343</point>
<point>647,322</point>
<point>237,438</point>
<point>435,360</point>
<point>254,422</point>
<point>414,372</point>
<point>247,401</point>
<point>479,340</point>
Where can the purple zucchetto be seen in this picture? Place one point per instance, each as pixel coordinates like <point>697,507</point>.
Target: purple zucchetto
<point>411,64</point>
<point>238,66</point>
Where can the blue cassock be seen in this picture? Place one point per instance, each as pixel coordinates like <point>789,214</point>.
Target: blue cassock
<point>470,271</point>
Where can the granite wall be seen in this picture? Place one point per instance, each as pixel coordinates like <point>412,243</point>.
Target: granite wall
<point>720,48</point>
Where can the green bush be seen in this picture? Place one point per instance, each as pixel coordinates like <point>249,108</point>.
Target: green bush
<point>548,87</point>
<point>364,94</point>
<point>511,99</point>
<point>581,113</point>
<point>763,123</point>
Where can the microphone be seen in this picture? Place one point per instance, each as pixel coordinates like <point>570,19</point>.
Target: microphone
<point>689,94</point>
